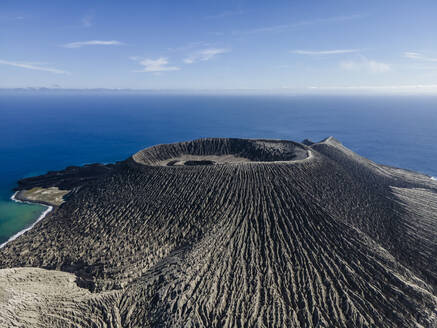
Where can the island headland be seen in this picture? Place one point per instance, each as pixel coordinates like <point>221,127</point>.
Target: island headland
<point>224,232</point>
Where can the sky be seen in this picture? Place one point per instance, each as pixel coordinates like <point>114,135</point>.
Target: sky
<point>296,46</point>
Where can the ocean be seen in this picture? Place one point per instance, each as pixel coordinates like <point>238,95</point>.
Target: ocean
<point>42,131</point>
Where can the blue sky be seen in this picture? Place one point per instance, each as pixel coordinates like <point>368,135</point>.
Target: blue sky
<point>302,46</point>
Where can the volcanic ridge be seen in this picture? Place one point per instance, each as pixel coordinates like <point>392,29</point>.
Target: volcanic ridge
<point>227,233</point>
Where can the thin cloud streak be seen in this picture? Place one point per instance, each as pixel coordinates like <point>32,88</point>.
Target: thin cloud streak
<point>365,65</point>
<point>189,46</point>
<point>282,27</point>
<point>226,13</point>
<point>432,88</point>
<point>81,44</point>
<point>324,52</point>
<point>33,67</point>
<point>154,65</point>
<point>205,55</point>
<point>4,18</point>
<point>419,56</point>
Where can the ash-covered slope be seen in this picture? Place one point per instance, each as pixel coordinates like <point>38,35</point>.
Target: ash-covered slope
<point>231,233</point>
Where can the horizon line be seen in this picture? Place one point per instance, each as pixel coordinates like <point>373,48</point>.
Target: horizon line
<point>312,90</point>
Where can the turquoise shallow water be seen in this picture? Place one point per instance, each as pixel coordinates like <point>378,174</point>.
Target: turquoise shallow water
<point>15,217</point>
<point>41,132</point>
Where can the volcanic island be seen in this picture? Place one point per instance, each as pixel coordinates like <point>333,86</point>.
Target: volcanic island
<point>225,232</point>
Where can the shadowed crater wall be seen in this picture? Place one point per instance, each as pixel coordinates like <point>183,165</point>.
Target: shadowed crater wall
<point>221,151</point>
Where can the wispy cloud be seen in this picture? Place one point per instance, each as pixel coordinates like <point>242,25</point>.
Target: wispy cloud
<point>10,18</point>
<point>412,88</point>
<point>226,13</point>
<point>154,65</point>
<point>365,65</point>
<point>87,20</point>
<point>324,52</point>
<point>189,46</point>
<point>204,55</point>
<point>33,66</point>
<point>274,28</point>
<point>419,56</point>
<point>80,44</point>
<point>283,27</point>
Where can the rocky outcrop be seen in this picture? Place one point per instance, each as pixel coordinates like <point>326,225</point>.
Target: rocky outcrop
<point>257,233</point>
<point>38,298</point>
<point>69,178</point>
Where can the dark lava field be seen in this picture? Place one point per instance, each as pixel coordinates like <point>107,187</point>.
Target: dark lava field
<point>228,233</point>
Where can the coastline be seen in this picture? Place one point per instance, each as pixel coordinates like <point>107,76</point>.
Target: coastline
<point>15,198</point>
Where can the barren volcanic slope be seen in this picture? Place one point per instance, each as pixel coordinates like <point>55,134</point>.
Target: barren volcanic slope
<point>228,233</point>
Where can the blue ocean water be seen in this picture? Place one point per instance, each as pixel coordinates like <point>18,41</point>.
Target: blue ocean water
<point>41,132</point>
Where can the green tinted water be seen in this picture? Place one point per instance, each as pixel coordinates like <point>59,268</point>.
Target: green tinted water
<point>16,216</point>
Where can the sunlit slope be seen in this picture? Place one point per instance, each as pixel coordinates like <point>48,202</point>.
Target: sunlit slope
<point>234,232</point>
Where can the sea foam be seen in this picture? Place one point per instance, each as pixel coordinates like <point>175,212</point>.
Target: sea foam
<point>42,216</point>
